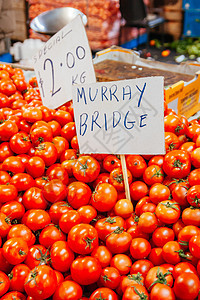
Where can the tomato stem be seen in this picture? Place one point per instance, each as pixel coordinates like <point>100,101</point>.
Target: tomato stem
<point>89,242</point>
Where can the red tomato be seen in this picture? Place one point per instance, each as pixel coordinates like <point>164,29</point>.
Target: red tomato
<point>194,245</point>
<point>153,174</point>
<point>68,290</point>
<point>15,250</point>
<point>110,278</point>
<point>118,241</point>
<point>33,199</point>
<point>162,292</point>
<point>5,283</point>
<point>68,220</point>
<point>41,278</point>
<point>135,292</point>
<point>117,180</point>
<point>193,196</point>
<point>86,169</point>
<point>17,277</point>
<point>104,197</point>
<point>48,152</point>
<point>54,190</point>
<point>22,231</point>
<point>103,293</point>
<point>158,192</point>
<point>36,219</point>
<point>37,255</point>
<point>158,274</point>
<point>140,248</point>
<point>61,256</point>
<point>78,194</point>
<point>138,190</point>
<point>50,234</point>
<point>103,254</point>
<point>85,270</point>
<point>177,164</point>
<point>122,263</point>
<point>186,286</point>
<point>162,235</point>
<point>83,238</point>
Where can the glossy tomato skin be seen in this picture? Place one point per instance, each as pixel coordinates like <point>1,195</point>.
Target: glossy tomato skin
<point>15,250</point>
<point>177,164</point>
<point>14,295</point>
<point>17,277</point>
<point>104,197</point>
<point>86,169</point>
<point>135,292</point>
<point>103,254</point>
<point>5,283</point>
<point>44,279</point>
<point>54,190</point>
<point>22,231</point>
<point>186,286</point>
<point>36,219</point>
<point>85,270</point>
<point>37,255</point>
<point>136,164</point>
<point>61,256</point>
<point>104,292</point>
<point>78,194</point>
<point>162,292</point>
<point>68,290</point>
<point>82,238</point>
<point>50,234</point>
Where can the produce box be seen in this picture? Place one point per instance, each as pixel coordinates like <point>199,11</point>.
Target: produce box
<point>182,82</point>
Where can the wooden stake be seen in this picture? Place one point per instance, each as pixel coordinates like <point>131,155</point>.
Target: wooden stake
<point>125,176</point>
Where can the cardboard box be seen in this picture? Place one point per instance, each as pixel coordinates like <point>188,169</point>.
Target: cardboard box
<point>182,96</point>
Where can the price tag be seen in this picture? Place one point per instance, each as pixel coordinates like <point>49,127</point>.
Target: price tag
<point>120,117</point>
<point>64,61</point>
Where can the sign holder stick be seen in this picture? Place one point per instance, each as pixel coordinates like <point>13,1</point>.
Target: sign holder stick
<point>125,176</point>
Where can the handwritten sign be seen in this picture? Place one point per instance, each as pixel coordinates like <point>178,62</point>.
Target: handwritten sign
<point>65,60</point>
<point>120,117</point>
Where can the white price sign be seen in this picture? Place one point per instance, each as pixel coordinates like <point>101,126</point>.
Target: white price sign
<point>120,117</point>
<point>64,61</point>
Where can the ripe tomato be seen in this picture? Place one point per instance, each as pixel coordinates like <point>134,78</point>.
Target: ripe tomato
<point>87,213</point>
<point>193,196</point>
<point>41,278</point>
<point>41,134</point>
<point>34,199</point>
<point>48,152</point>
<point>68,290</point>
<point>135,292</point>
<point>14,295</point>
<point>194,177</point>
<point>123,208</point>
<point>138,190</point>
<point>141,266</point>
<point>15,250</point>
<point>69,219</point>
<point>183,267</point>
<point>22,231</point>
<point>162,235</point>
<point>50,234</point>
<point>110,278</point>
<point>156,275</point>
<point>104,197</point>
<point>68,131</point>
<point>117,180</point>
<point>103,254</point>
<point>20,142</point>
<point>13,210</point>
<point>78,194</point>
<point>13,165</point>
<point>194,245</point>
<point>36,219</point>
<point>85,270</point>
<point>186,233</point>
<point>111,162</point>
<point>136,164</point>
<point>82,238</point>
<point>106,226</point>
<point>191,216</point>
<point>118,241</point>
<point>61,256</point>
<point>153,174</point>
<point>22,181</point>
<point>17,277</point>
<point>148,222</point>
<point>54,190</point>
<point>8,192</point>
<point>37,255</point>
<point>168,211</point>
<point>5,283</point>
<point>186,286</point>
<point>171,141</point>
<point>5,151</point>
<point>158,192</point>
<point>122,263</point>
<point>103,293</point>
<point>140,248</point>
<point>171,252</point>
<point>57,209</point>
<point>177,164</point>
<point>86,169</point>
<point>161,292</point>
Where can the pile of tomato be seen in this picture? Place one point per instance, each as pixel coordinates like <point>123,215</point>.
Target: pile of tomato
<point>67,230</point>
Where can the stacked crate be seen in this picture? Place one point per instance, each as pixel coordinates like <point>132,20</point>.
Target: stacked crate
<point>19,8</point>
<point>173,14</point>
<point>191,27</point>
